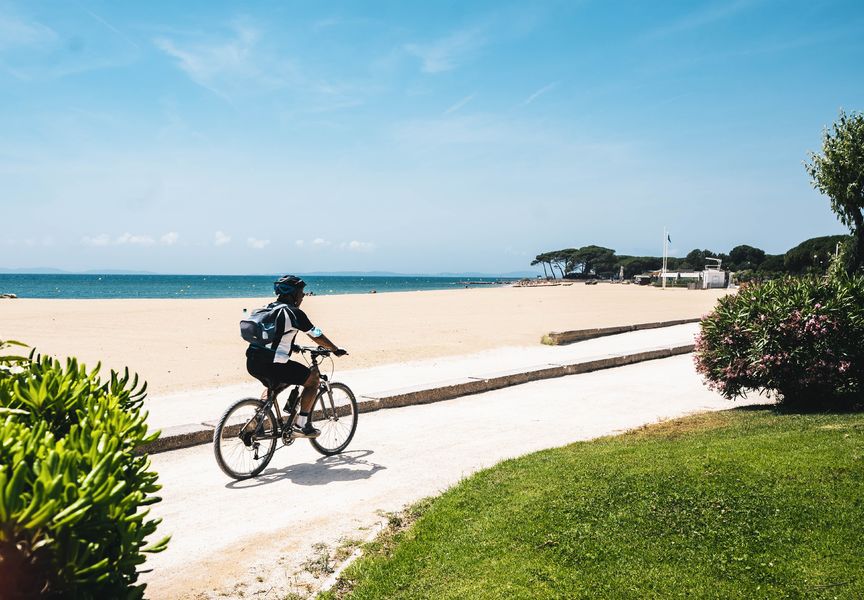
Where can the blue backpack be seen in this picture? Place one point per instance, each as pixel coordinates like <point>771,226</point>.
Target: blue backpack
<point>259,328</point>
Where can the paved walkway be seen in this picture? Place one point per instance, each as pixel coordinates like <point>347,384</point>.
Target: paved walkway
<point>250,539</point>
<point>205,406</point>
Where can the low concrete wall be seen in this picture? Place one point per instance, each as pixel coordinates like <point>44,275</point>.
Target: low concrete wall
<point>179,436</point>
<point>558,338</point>
<point>184,436</point>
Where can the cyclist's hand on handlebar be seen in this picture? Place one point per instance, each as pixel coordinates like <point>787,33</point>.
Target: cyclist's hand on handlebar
<point>340,352</point>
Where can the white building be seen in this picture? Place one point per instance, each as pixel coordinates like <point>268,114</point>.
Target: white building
<point>713,278</point>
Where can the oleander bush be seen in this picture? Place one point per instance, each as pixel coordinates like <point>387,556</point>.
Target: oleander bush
<point>800,341</point>
<point>73,492</point>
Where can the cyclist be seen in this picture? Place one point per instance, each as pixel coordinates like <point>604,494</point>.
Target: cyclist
<point>272,366</point>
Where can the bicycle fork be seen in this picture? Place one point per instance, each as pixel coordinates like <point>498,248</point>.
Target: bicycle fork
<point>328,393</point>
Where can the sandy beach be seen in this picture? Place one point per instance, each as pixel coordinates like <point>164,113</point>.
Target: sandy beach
<point>192,344</point>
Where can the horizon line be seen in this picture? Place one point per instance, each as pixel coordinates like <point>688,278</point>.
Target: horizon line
<point>52,271</point>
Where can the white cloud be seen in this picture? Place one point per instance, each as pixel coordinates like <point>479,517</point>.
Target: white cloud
<point>447,53</point>
<point>17,32</point>
<point>460,104</point>
<point>169,239</point>
<point>48,55</point>
<point>111,27</point>
<point>355,246</point>
<point>228,65</point>
<point>299,243</point>
<point>99,240</point>
<point>702,17</point>
<point>256,243</point>
<point>320,243</point>
<point>134,240</point>
<point>220,238</point>
<point>546,88</point>
<point>126,239</point>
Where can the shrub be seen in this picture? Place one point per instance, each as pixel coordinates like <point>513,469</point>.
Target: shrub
<point>798,340</point>
<point>72,489</point>
<point>745,276</point>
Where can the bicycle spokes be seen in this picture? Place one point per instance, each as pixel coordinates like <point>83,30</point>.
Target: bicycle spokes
<point>335,415</point>
<point>245,438</point>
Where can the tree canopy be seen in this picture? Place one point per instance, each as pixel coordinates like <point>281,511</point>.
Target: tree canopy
<point>585,260</point>
<point>746,257</point>
<point>593,259</point>
<point>838,172</point>
<point>559,259</point>
<point>695,259</point>
<point>634,265</point>
<point>812,255</point>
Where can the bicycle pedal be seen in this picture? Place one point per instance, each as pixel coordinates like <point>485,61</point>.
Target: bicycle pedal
<point>299,433</point>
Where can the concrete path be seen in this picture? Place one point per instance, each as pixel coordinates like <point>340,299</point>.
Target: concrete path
<point>250,539</point>
<point>205,406</point>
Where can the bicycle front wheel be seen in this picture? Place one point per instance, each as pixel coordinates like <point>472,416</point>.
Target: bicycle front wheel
<point>245,438</point>
<point>335,414</point>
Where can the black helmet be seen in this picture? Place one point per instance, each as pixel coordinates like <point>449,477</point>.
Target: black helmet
<point>287,285</point>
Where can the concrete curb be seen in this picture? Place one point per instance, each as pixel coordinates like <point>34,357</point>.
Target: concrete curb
<point>558,338</point>
<point>184,436</point>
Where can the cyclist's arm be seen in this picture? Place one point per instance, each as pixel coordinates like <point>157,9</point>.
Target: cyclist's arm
<point>322,340</point>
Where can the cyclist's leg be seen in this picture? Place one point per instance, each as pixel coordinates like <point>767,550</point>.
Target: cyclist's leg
<point>294,373</point>
<point>310,391</point>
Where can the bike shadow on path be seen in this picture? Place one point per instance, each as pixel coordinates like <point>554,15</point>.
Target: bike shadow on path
<point>348,466</point>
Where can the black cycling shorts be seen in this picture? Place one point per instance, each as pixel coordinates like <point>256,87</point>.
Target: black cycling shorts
<point>260,365</point>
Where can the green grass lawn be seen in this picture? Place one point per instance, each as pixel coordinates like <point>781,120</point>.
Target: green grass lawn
<point>739,504</point>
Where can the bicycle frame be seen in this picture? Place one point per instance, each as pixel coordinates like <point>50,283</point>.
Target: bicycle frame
<point>271,394</point>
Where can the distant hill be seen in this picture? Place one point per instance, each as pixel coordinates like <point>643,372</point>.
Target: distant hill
<point>52,271</point>
<point>32,271</point>
<point>116,272</point>
<point>351,274</point>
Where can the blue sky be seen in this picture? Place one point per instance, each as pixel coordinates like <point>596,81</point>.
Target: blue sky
<point>248,137</point>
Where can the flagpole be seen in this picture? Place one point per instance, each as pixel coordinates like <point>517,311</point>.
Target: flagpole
<point>665,254</point>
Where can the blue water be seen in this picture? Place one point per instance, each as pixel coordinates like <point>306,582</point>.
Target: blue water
<point>210,286</point>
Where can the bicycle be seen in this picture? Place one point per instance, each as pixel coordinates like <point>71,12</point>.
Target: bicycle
<point>245,438</point>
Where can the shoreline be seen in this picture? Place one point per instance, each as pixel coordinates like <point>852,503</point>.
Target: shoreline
<point>178,344</point>
<point>207,287</point>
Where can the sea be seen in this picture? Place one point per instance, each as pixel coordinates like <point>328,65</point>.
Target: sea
<point>219,286</point>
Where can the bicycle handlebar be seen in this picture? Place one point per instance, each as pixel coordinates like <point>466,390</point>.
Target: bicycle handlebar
<point>317,350</point>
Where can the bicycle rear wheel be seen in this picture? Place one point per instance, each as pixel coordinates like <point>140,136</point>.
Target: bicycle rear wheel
<point>335,414</point>
<point>245,438</point>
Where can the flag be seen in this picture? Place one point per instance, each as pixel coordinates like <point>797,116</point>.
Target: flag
<point>668,239</point>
